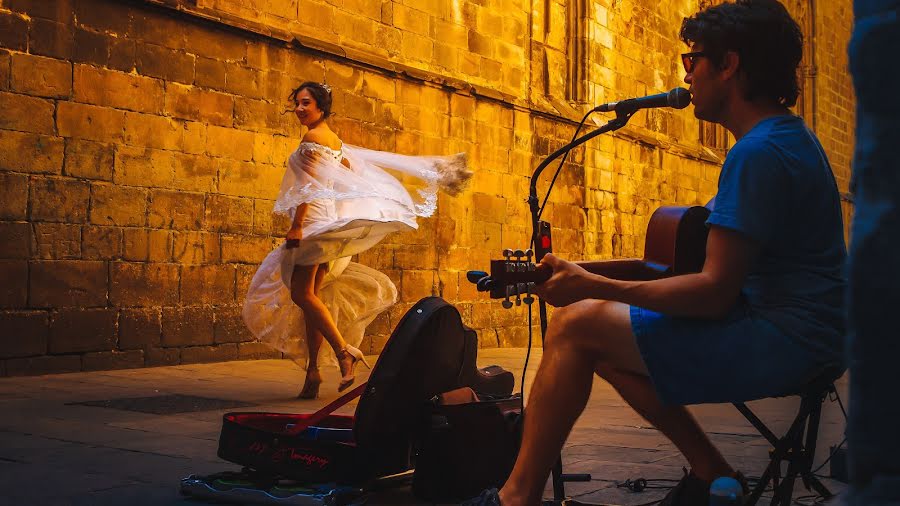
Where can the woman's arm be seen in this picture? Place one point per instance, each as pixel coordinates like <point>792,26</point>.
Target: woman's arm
<point>295,233</point>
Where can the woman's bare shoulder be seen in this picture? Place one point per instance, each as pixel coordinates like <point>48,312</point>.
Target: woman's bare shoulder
<point>327,139</point>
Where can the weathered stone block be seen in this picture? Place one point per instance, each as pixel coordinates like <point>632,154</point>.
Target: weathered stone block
<point>153,131</point>
<point>243,81</point>
<point>57,241</point>
<point>417,284</point>
<point>230,327</point>
<point>104,17</point>
<point>250,179</point>
<point>195,173</point>
<point>26,114</point>
<point>203,354</point>
<point>188,102</point>
<point>228,214</point>
<point>80,330</point>
<point>39,76</point>
<point>146,245</point>
<point>196,248</point>
<point>139,328</point>
<point>245,248</point>
<point>162,356</point>
<point>106,360</point>
<point>176,209</point>
<point>14,290</point>
<point>62,200</point>
<point>117,205</point>
<point>13,196</point>
<point>156,61</point>
<point>143,284</point>
<point>187,326</point>
<point>229,142</point>
<point>155,27</point>
<point>101,243</point>
<point>87,159</point>
<point>13,32</point>
<point>49,38</point>
<point>16,241</point>
<point>23,333</point>
<point>60,11</point>
<point>25,152</point>
<point>90,47</point>
<point>68,283</point>
<point>194,137</point>
<point>207,284</point>
<point>210,73</point>
<point>90,122</point>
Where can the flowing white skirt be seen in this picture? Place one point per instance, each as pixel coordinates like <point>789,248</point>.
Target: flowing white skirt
<point>354,294</point>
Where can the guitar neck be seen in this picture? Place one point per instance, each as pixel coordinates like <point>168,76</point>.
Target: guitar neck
<point>626,270</point>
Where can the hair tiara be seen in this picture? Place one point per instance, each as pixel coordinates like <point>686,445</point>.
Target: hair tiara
<point>326,87</point>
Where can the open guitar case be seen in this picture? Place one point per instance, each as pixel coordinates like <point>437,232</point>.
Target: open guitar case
<point>429,352</point>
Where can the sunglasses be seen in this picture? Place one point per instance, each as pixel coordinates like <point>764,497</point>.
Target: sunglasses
<point>690,59</point>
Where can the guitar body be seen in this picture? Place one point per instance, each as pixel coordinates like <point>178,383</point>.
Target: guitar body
<point>675,244</point>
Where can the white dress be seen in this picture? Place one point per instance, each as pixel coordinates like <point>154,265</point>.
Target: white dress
<point>349,211</point>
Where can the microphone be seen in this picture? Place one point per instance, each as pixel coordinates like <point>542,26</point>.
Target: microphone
<point>679,98</point>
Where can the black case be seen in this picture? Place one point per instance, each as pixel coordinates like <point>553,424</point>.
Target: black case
<point>466,448</point>
<point>429,352</point>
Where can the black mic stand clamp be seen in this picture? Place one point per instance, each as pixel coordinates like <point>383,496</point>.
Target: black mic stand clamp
<point>543,244</point>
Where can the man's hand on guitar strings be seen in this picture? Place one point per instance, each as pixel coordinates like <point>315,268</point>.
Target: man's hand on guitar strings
<point>568,284</point>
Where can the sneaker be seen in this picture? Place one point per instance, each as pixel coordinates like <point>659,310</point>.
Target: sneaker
<point>690,491</point>
<point>489,497</point>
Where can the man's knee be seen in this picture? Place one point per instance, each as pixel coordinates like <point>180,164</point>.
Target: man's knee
<point>575,322</point>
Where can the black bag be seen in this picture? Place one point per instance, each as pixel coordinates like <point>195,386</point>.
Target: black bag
<point>466,448</point>
<point>429,352</point>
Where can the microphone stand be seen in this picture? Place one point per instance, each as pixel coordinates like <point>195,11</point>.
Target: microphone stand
<point>621,119</point>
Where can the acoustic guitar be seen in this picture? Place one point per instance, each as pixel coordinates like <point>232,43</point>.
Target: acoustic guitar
<point>675,245</point>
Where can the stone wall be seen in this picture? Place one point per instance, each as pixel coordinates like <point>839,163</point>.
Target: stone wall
<point>142,144</point>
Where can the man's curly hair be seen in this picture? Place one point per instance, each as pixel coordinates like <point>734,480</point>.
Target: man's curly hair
<point>768,41</point>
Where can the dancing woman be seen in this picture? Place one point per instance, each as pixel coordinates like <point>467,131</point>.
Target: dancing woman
<point>341,200</point>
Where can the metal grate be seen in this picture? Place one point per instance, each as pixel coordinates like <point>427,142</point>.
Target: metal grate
<point>167,404</point>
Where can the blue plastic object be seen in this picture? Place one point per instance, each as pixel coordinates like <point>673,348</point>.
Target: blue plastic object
<point>725,491</point>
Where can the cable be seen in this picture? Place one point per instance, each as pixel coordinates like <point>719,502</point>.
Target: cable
<point>561,162</point>
<point>525,367</point>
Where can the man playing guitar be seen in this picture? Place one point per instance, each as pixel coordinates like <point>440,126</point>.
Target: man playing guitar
<point>764,312</point>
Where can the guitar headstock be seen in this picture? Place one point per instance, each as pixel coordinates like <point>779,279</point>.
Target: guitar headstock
<point>511,279</point>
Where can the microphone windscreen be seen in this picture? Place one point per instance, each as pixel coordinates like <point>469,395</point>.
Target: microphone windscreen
<point>679,98</point>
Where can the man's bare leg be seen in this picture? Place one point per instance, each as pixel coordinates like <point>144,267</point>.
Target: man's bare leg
<point>594,336</point>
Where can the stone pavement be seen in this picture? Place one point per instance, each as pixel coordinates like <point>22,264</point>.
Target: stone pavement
<point>55,453</point>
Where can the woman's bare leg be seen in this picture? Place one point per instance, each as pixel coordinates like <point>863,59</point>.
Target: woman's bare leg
<point>304,294</point>
<point>314,336</point>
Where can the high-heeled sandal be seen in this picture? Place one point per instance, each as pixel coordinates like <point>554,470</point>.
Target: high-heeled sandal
<point>311,384</point>
<point>357,356</point>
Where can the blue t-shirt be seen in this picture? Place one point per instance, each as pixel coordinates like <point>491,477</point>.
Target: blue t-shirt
<point>777,187</point>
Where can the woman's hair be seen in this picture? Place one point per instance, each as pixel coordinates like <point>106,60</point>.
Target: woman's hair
<point>768,41</point>
<point>320,92</point>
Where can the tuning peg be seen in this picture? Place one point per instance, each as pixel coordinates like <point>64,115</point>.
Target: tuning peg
<point>519,253</point>
<point>528,298</point>
<point>506,304</point>
<point>507,253</point>
<point>485,284</point>
<point>475,276</point>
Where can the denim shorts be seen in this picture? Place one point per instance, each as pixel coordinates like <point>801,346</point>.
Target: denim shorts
<point>738,358</point>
